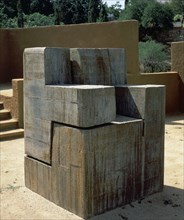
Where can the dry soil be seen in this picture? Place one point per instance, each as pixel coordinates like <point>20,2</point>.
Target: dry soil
<point>18,202</point>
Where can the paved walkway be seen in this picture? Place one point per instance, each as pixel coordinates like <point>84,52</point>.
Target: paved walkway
<point>17,202</point>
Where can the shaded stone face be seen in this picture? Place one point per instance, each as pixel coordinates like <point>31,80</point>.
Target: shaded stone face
<point>98,66</point>
<point>92,142</point>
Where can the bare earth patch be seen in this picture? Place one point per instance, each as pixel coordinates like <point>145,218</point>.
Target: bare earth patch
<point>18,202</point>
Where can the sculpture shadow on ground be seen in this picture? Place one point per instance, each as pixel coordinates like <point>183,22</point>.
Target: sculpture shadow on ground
<point>168,204</point>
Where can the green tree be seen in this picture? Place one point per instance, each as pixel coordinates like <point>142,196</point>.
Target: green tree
<point>57,4</point>
<point>10,8</point>
<point>126,3</point>
<point>26,6</point>
<point>3,17</point>
<point>6,22</point>
<point>94,10</point>
<point>20,16</point>
<point>115,10</point>
<point>157,15</point>
<point>37,19</point>
<point>177,7</point>
<point>70,11</point>
<point>103,17</point>
<point>152,16</point>
<point>42,6</point>
<point>135,10</point>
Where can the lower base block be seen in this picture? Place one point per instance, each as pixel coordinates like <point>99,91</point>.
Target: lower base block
<point>93,170</point>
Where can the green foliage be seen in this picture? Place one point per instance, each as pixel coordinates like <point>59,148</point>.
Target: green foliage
<point>9,8</point>
<point>42,6</point>
<point>135,10</point>
<point>37,19</point>
<point>94,10</point>
<point>150,14</point>
<point>157,15</point>
<point>103,17</point>
<point>6,22</point>
<point>70,11</point>
<point>177,7</point>
<point>74,11</point>
<point>20,16</point>
<point>178,17</point>
<point>115,10</point>
<point>153,57</point>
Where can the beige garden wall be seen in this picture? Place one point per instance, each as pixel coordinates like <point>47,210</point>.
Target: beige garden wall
<point>111,34</point>
<point>177,58</point>
<point>5,75</point>
<point>172,82</point>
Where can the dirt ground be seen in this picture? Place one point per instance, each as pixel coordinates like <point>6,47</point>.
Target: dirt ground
<point>18,202</point>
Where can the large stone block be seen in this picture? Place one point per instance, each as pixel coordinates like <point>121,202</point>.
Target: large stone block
<point>79,154</point>
<point>93,170</point>
<point>75,105</point>
<point>83,105</point>
<point>98,66</point>
<point>50,64</point>
<point>80,106</point>
<point>147,102</point>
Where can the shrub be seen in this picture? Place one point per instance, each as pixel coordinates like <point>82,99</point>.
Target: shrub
<point>153,57</point>
<point>37,19</point>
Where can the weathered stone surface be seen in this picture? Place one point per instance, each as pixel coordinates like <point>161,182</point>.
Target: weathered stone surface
<point>81,106</point>
<point>98,66</point>
<point>76,105</point>
<point>50,64</point>
<point>84,106</point>
<point>147,102</point>
<point>93,170</point>
<point>79,154</point>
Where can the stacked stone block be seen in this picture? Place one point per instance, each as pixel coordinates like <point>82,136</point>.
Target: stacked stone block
<point>147,102</point>
<point>92,142</point>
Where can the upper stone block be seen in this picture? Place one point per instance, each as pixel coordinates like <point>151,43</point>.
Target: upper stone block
<point>82,105</point>
<point>49,64</point>
<point>48,83</point>
<point>98,66</point>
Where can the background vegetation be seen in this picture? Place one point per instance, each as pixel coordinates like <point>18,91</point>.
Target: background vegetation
<point>153,18</point>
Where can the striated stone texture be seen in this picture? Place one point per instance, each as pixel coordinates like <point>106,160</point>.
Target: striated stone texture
<point>90,148</point>
<point>76,105</point>
<point>147,102</point>
<point>98,66</point>
<point>93,170</point>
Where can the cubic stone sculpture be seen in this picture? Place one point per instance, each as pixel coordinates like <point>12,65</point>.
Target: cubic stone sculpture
<point>92,143</point>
